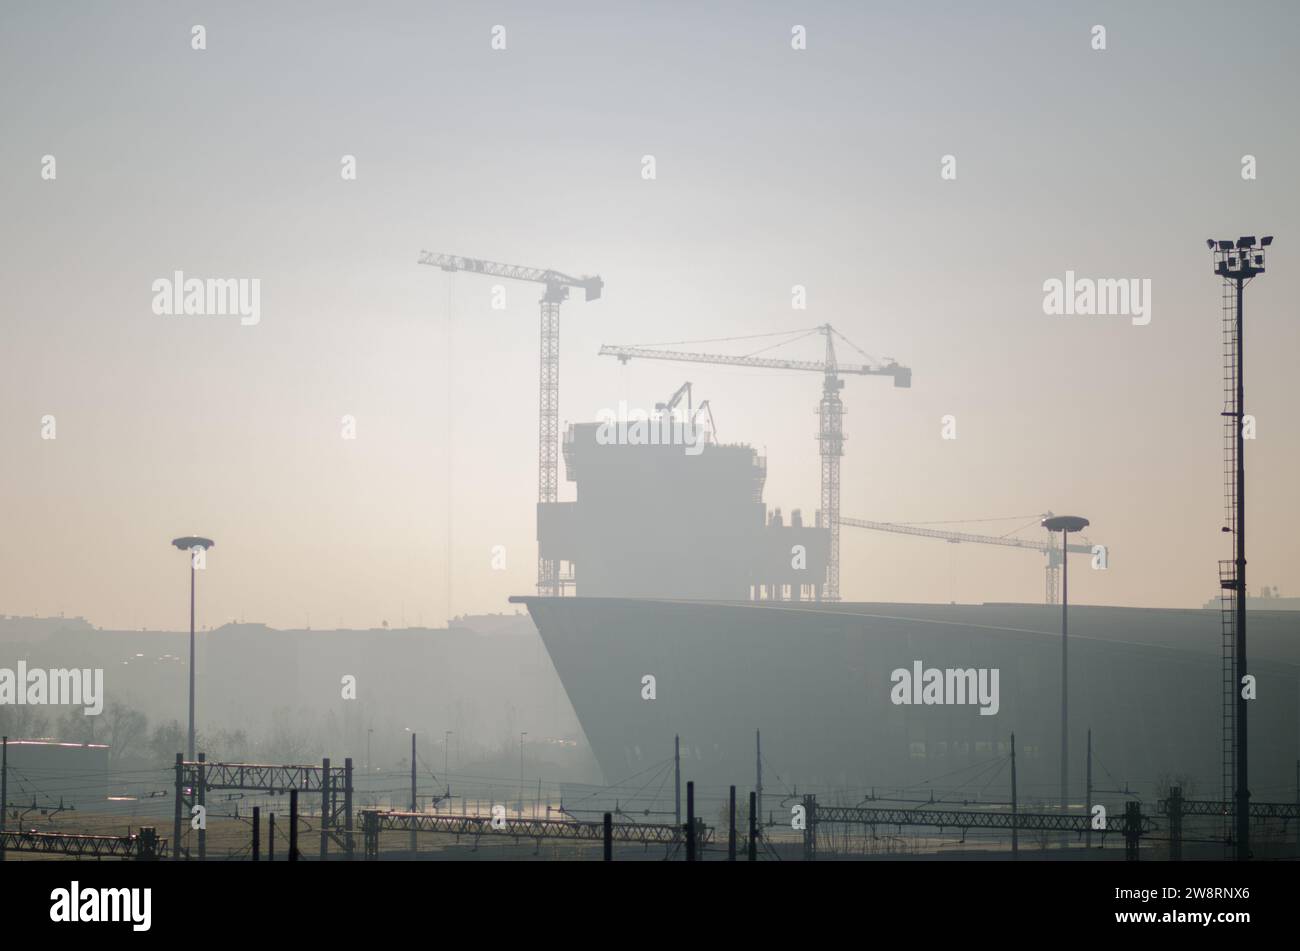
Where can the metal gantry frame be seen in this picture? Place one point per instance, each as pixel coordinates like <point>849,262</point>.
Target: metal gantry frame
<point>333,783</point>
<point>815,814</point>
<point>375,821</point>
<point>1176,808</point>
<point>144,845</point>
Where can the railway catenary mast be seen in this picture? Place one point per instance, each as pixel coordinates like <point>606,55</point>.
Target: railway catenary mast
<point>830,411</point>
<point>548,417</point>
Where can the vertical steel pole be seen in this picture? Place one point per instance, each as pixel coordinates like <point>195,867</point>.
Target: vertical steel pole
<point>201,793</point>
<point>257,833</point>
<point>190,748</point>
<point>413,795</point>
<point>324,808</point>
<point>690,821</point>
<point>731,828</point>
<point>270,838</point>
<point>1065,669</point>
<point>677,780</point>
<point>753,826</point>
<point>609,837</point>
<point>1087,806</point>
<point>293,825</point>
<point>347,806</point>
<point>1015,831</point>
<point>176,824</point>
<point>4,791</point>
<point>1243,789</point>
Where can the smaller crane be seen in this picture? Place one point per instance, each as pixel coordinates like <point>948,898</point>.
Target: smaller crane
<point>1051,550</point>
<point>693,412</point>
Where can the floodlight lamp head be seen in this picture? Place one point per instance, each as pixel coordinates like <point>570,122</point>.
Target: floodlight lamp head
<point>1225,245</point>
<point>1265,241</point>
<point>1211,243</point>
<point>191,542</point>
<point>1065,523</point>
<point>1246,241</point>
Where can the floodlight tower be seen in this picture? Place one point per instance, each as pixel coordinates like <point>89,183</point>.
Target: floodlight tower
<point>1237,263</point>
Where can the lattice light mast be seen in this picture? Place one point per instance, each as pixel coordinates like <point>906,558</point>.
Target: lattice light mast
<point>1236,263</point>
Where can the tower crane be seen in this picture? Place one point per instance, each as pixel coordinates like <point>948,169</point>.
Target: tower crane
<point>830,432</point>
<point>1048,548</point>
<point>548,417</point>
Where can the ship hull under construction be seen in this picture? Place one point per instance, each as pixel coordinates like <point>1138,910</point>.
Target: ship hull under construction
<point>818,681</point>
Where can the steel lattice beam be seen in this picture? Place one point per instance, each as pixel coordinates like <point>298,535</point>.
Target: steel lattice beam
<point>957,819</point>
<point>259,776</point>
<point>680,356</point>
<point>95,846</point>
<point>1216,807</point>
<point>639,832</point>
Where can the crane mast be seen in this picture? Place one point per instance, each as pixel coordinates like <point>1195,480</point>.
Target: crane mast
<point>557,286</point>
<point>830,411</point>
<point>830,441</point>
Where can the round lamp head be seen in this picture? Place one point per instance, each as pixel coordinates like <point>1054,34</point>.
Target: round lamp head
<point>191,542</point>
<point>1065,523</point>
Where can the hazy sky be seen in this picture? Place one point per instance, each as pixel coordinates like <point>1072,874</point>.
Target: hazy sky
<point>775,167</point>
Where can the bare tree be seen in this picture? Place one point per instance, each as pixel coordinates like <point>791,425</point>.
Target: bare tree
<point>127,730</point>
<point>23,722</point>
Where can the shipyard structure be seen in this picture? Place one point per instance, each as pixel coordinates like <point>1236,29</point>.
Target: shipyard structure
<point>681,518</point>
<point>675,569</point>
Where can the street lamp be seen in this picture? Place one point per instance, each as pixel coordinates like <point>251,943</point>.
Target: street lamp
<point>1065,524</point>
<point>197,547</point>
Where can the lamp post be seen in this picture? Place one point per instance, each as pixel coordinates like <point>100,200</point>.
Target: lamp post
<point>198,548</point>
<point>1065,524</point>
